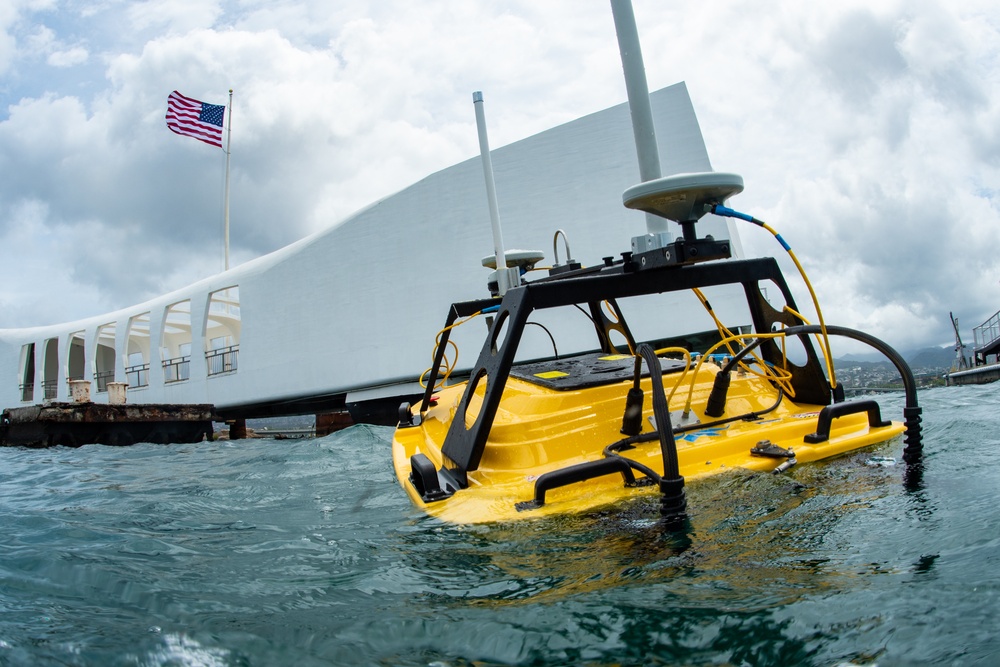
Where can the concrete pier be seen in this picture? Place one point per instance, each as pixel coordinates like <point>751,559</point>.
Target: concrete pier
<point>977,375</point>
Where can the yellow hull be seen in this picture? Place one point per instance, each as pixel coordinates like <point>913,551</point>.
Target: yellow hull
<point>539,430</point>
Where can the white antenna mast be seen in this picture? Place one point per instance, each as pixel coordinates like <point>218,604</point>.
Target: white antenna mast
<point>506,277</point>
<point>683,198</point>
<point>637,90</point>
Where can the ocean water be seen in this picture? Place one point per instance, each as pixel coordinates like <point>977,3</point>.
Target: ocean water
<point>306,552</point>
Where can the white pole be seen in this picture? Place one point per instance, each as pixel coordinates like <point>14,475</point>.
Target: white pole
<point>638,102</point>
<point>229,138</point>
<point>504,280</point>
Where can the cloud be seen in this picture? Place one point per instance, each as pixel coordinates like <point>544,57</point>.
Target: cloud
<point>12,28</point>
<point>38,288</point>
<point>174,17</point>
<point>69,57</point>
<point>858,55</point>
<point>875,156</point>
<point>866,132</point>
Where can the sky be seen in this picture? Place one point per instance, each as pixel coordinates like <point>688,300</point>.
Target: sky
<point>867,133</point>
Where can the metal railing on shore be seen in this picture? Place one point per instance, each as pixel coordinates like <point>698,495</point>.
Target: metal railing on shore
<point>987,332</point>
<point>137,376</point>
<point>50,389</point>
<point>177,369</point>
<point>223,360</point>
<point>102,378</point>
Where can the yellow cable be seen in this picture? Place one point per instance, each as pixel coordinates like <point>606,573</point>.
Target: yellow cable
<point>819,340</point>
<point>725,332</point>
<point>819,313</point>
<point>783,381</point>
<point>722,328</point>
<point>687,367</point>
<point>449,365</point>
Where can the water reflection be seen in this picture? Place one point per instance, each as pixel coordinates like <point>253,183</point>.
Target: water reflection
<point>751,540</point>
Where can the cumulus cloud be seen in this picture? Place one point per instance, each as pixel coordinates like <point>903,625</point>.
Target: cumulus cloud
<point>68,57</point>
<point>863,137</point>
<point>174,17</point>
<point>866,132</point>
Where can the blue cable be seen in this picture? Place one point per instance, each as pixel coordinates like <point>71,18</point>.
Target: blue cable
<point>730,213</point>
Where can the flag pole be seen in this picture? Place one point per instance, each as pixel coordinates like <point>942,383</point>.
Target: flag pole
<point>229,137</point>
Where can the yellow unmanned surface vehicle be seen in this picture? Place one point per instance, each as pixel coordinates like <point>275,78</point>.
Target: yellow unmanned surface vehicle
<point>570,433</point>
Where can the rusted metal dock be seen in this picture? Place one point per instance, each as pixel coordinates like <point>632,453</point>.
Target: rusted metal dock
<point>84,423</point>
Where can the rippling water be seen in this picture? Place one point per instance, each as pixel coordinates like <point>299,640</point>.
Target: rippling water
<point>307,552</point>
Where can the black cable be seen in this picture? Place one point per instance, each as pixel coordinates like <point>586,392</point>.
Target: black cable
<point>661,411</point>
<point>586,314</point>
<point>554,349</point>
<point>625,443</point>
<point>673,503</point>
<point>911,412</point>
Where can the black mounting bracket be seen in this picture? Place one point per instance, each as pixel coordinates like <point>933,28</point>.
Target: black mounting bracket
<point>681,251</point>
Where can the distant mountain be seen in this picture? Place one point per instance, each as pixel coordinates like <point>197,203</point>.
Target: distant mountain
<point>928,357</point>
<point>932,357</point>
<point>843,364</point>
<point>865,358</point>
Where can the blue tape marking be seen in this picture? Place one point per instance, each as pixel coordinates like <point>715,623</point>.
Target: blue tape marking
<point>711,432</point>
<point>491,309</point>
<point>730,213</point>
<point>784,245</point>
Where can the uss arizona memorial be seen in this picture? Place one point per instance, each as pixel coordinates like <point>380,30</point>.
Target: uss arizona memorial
<point>346,318</point>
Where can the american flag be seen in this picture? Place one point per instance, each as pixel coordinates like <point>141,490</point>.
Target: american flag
<point>195,119</point>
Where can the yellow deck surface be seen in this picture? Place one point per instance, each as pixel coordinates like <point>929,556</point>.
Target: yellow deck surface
<point>538,430</point>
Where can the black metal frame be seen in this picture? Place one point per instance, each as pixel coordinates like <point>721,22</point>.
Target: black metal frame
<point>463,447</point>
